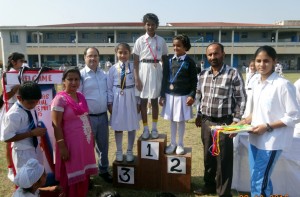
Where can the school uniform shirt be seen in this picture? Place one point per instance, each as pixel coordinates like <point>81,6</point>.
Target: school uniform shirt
<point>186,80</point>
<point>15,122</point>
<point>157,43</point>
<point>274,99</point>
<point>93,87</point>
<point>297,126</point>
<point>251,78</point>
<point>20,193</point>
<point>8,88</point>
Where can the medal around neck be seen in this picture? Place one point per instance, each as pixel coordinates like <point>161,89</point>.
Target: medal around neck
<point>171,86</point>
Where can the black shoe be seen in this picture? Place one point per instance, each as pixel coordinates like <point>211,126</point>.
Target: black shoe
<point>204,191</point>
<point>106,177</point>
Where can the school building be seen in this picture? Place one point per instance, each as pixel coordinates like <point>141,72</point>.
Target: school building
<point>53,45</point>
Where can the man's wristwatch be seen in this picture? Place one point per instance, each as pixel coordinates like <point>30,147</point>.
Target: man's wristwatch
<point>269,128</point>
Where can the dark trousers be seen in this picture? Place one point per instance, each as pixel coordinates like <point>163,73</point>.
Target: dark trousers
<point>217,169</point>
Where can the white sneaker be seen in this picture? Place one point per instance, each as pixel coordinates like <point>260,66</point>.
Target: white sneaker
<point>129,156</point>
<point>154,134</point>
<point>119,156</point>
<point>146,134</point>
<point>10,174</point>
<point>170,149</point>
<point>179,150</point>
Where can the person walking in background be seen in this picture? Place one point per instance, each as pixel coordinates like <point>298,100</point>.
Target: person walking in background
<point>9,96</point>
<point>149,50</point>
<point>19,126</point>
<point>222,101</point>
<point>94,88</point>
<point>74,156</point>
<point>275,112</point>
<point>122,103</point>
<point>178,91</point>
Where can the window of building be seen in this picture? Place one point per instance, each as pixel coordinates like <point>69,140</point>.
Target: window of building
<point>243,57</point>
<point>49,36</point>
<point>85,35</point>
<point>135,36</point>
<point>264,34</point>
<point>98,35</point>
<point>61,36</point>
<point>244,35</point>
<point>14,37</point>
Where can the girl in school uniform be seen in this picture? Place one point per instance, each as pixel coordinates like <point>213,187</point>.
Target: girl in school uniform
<point>178,91</point>
<point>122,102</point>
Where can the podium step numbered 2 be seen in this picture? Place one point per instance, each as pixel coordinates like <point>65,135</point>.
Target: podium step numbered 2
<point>153,169</point>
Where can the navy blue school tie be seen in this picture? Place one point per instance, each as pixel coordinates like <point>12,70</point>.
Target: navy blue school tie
<point>123,77</point>
<point>32,126</point>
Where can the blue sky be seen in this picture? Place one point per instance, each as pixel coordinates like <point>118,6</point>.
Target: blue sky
<point>44,12</point>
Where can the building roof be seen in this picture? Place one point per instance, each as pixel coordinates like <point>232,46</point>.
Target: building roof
<point>116,24</point>
<point>218,24</point>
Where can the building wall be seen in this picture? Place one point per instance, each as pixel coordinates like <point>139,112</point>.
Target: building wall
<point>61,44</point>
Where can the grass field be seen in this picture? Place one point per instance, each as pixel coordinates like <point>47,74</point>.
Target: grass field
<point>192,139</point>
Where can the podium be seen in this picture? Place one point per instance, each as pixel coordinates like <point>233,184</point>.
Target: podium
<point>154,170</point>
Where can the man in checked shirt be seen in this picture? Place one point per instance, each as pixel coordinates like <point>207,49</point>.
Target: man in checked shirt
<point>222,101</point>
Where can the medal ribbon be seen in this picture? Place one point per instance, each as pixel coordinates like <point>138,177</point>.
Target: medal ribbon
<point>214,149</point>
<point>123,76</point>
<point>170,65</point>
<point>153,55</point>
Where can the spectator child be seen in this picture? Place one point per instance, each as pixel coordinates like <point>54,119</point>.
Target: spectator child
<point>19,125</point>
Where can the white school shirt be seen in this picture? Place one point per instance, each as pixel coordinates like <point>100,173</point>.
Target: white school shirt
<point>114,78</point>
<point>297,126</point>
<point>142,50</point>
<point>19,193</point>
<point>93,87</point>
<point>274,99</point>
<point>9,87</point>
<point>15,122</point>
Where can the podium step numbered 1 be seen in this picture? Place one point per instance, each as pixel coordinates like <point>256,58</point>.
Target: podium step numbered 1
<point>153,169</point>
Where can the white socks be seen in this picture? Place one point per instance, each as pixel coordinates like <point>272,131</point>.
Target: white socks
<point>181,130</point>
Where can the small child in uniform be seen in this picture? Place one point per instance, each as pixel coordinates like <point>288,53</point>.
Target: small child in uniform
<point>30,178</point>
<point>122,103</point>
<point>19,125</point>
<point>178,91</point>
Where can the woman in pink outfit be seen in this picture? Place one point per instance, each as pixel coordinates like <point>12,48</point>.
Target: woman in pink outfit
<point>74,155</point>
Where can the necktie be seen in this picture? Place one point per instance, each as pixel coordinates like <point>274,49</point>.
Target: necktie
<point>32,126</point>
<point>123,78</point>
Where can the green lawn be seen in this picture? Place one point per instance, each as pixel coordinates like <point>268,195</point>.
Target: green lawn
<point>192,139</point>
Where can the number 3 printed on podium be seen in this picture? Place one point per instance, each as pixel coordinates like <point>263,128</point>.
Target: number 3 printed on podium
<point>150,150</point>
<point>125,175</point>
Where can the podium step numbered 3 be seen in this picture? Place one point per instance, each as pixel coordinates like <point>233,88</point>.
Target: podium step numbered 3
<point>153,169</point>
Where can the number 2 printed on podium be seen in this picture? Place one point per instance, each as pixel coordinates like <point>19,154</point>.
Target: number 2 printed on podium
<point>176,165</point>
